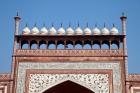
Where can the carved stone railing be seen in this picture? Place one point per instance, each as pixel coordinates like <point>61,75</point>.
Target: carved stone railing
<point>77,53</point>
<point>4,77</point>
<point>133,77</point>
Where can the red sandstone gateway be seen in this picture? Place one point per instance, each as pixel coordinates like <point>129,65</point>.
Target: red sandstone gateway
<point>70,61</point>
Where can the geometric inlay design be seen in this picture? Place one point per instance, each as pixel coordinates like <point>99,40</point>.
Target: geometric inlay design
<point>99,83</point>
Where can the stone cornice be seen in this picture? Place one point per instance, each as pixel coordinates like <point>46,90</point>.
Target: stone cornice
<point>70,53</point>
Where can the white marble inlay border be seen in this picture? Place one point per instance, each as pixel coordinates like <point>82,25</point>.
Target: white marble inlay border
<point>69,65</point>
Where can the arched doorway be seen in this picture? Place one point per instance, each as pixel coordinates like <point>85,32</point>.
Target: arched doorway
<point>68,87</point>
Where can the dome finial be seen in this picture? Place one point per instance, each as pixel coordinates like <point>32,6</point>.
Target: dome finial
<point>35,24</point>
<point>17,13</point>
<point>44,24</point>
<point>122,13</point>
<point>52,24</point>
<point>26,25</point>
<point>113,25</point>
<point>87,24</point>
<point>61,24</point>
<point>104,24</point>
<point>69,24</point>
<point>96,24</point>
<point>78,24</point>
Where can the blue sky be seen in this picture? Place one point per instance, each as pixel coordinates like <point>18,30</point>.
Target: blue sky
<point>57,11</point>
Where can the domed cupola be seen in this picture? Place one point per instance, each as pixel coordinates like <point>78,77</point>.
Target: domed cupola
<point>61,31</point>
<point>69,30</point>
<point>87,30</point>
<point>26,30</point>
<point>114,30</point>
<point>105,31</point>
<point>44,30</point>
<point>35,30</point>
<point>52,30</point>
<point>96,31</point>
<point>78,31</point>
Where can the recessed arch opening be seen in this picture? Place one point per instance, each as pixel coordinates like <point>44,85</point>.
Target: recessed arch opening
<point>24,44</point>
<point>87,44</point>
<point>69,45</point>
<point>33,44</point>
<point>42,44</point>
<point>68,87</point>
<point>96,45</point>
<point>51,45</point>
<point>105,45</point>
<point>78,45</point>
<point>114,45</point>
<point>60,45</point>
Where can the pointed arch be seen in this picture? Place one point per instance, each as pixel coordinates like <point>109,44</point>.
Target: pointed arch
<point>51,45</point>
<point>114,44</point>
<point>87,44</point>
<point>24,44</point>
<point>72,81</point>
<point>105,45</point>
<point>42,44</point>
<point>96,44</point>
<point>33,44</point>
<point>78,44</point>
<point>69,45</point>
<point>60,44</point>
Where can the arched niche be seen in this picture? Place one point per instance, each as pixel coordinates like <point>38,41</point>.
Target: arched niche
<point>51,45</point>
<point>68,86</point>
<point>105,45</point>
<point>24,44</point>
<point>87,44</point>
<point>114,44</point>
<point>69,45</point>
<point>96,45</point>
<point>42,44</point>
<point>78,44</point>
<point>33,44</point>
<point>60,44</point>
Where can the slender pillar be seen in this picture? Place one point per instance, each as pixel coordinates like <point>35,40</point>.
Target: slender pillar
<point>123,20</point>
<point>29,46</point>
<point>38,46</point>
<point>91,44</point>
<point>65,46</point>
<point>55,44</point>
<point>125,65</point>
<point>13,75</point>
<point>14,62</point>
<point>17,21</point>
<point>110,45</point>
<point>118,45</point>
<point>83,44</point>
<point>46,44</point>
<point>73,44</point>
<point>100,45</point>
<point>20,46</point>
